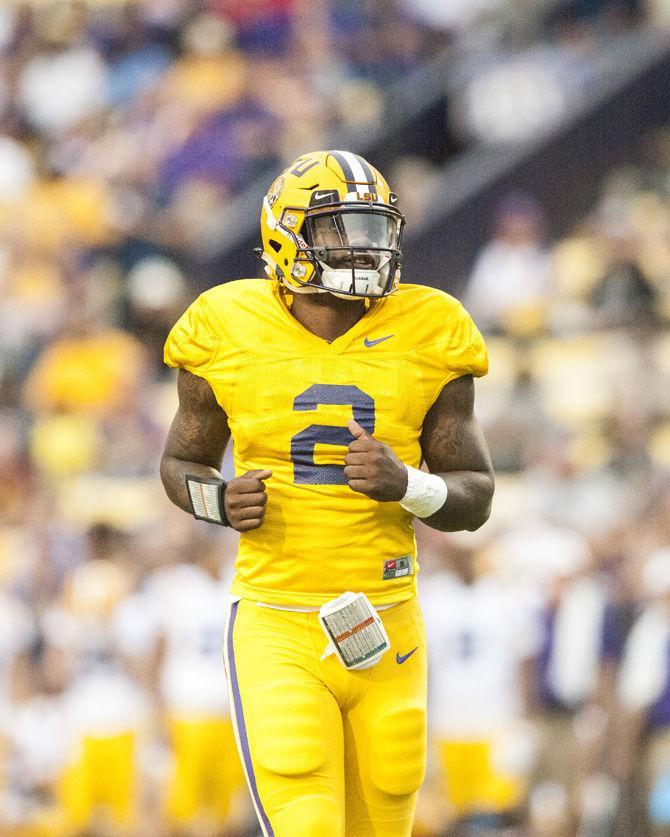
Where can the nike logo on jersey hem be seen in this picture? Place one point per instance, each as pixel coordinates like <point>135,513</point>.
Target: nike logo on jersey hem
<point>369,343</point>
<point>400,658</point>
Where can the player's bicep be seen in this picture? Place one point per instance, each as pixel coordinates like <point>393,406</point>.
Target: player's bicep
<point>199,430</point>
<point>451,439</point>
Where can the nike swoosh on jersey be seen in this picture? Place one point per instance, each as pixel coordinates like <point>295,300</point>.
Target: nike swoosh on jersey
<point>369,343</point>
<point>400,658</point>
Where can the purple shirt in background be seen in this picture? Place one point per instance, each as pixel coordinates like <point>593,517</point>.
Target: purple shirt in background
<point>659,714</point>
<point>220,151</point>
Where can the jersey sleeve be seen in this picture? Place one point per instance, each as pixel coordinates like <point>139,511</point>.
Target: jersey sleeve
<point>452,346</point>
<point>193,339</point>
<point>464,349</point>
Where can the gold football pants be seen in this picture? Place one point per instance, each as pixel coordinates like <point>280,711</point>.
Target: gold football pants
<point>104,776</point>
<point>327,751</point>
<point>206,774</point>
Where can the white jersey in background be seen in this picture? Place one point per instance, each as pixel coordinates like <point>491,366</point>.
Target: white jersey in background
<point>39,739</point>
<point>478,635</point>
<point>189,609</point>
<point>644,672</point>
<point>101,698</point>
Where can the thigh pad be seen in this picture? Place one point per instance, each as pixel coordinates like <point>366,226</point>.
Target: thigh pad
<point>290,729</point>
<point>398,751</point>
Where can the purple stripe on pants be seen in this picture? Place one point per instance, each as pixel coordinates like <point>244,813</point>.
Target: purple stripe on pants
<point>241,727</point>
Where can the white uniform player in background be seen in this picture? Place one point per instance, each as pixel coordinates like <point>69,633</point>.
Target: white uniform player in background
<point>189,602</point>
<point>480,635</point>
<point>104,710</point>
<point>37,742</point>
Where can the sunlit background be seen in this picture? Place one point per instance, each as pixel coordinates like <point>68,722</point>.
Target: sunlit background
<point>530,145</point>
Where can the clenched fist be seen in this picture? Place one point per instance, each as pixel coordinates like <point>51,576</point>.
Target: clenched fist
<point>372,468</point>
<point>245,500</point>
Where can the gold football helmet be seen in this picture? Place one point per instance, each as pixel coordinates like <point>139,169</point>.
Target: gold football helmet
<point>330,224</point>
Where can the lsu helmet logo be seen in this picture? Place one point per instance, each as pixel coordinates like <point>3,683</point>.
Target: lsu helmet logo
<point>275,190</point>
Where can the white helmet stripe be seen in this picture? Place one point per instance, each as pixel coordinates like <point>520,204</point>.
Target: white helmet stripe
<point>357,172</point>
<point>363,184</point>
<point>369,176</point>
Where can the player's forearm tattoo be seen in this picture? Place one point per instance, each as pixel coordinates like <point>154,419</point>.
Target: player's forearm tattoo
<point>197,438</point>
<point>453,446</point>
<point>450,443</point>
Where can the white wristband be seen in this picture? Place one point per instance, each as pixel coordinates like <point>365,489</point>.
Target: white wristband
<point>426,493</point>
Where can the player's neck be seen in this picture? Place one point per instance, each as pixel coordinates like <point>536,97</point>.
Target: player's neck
<point>325,315</point>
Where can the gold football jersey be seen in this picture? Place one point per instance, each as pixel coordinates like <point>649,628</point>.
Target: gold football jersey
<point>289,394</point>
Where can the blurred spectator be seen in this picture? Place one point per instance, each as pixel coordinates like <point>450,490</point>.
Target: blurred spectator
<point>576,642</point>
<point>157,294</point>
<point>518,431</point>
<point>641,756</point>
<point>17,635</point>
<point>17,169</point>
<point>453,16</point>
<point>510,285</point>
<point>623,296</point>
<point>415,178</point>
<point>514,102</point>
<point>59,89</point>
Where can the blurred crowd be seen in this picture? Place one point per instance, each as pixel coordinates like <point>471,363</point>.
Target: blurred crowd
<point>125,128</point>
<point>550,627</point>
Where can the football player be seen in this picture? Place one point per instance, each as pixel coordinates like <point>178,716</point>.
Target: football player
<point>189,603</point>
<point>105,712</point>
<point>481,643</point>
<point>335,383</point>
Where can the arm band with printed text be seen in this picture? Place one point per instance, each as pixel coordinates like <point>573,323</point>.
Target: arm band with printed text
<point>206,495</point>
